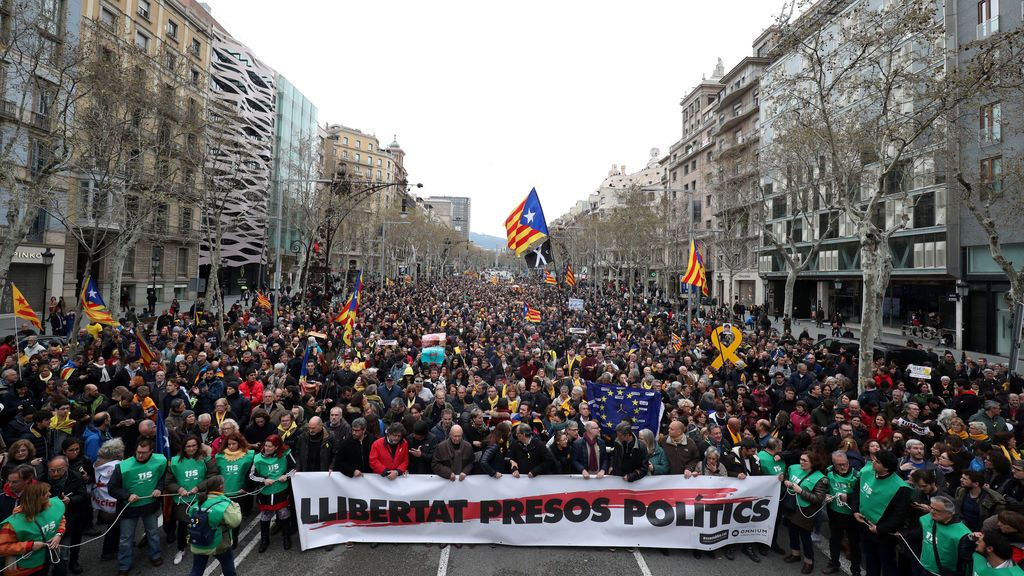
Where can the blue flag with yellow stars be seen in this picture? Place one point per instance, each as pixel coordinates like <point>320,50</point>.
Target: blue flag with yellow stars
<point>610,405</point>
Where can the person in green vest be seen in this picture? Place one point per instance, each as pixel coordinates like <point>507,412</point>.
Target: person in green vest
<point>842,480</point>
<point>137,484</point>
<point>993,556</point>
<point>808,484</point>
<point>36,525</point>
<point>185,478</point>
<point>880,505</point>
<point>772,464</point>
<point>946,543</point>
<point>223,516</point>
<point>234,461</point>
<point>273,468</point>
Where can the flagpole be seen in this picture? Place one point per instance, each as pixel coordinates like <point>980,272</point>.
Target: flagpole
<point>15,318</point>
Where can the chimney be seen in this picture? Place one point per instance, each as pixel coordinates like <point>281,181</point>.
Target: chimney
<point>622,169</point>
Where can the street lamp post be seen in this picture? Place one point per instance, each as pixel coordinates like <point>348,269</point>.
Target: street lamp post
<point>383,241</point>
<point>156,266</point>
<point>47,256</point>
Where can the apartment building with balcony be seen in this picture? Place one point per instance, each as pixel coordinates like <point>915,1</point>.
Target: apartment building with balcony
<point>169,42</point>
<point>733,192</point>
<point>37,39</point>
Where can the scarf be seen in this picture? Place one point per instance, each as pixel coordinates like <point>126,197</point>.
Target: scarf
<point>982,437</point>
<point>67,424</point>
<point>592,465</point>
<point>220,418</point>
<point>736,437</point>
<point>1011,454</point>
<point>232,455</point>
<point>286,433</point>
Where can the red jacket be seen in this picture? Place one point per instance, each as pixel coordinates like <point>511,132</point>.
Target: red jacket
<point>383,460</point>
<point>253,391</point>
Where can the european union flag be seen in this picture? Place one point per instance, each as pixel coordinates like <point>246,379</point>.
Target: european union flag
<point>610,405</point>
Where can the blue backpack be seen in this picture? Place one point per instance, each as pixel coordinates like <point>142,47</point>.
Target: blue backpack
<point>200,532</point>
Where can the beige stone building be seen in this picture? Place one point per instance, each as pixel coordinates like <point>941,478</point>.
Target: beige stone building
<point>172,39</point>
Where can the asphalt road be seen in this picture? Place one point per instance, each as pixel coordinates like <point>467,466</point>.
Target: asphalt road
<point>427,560</point>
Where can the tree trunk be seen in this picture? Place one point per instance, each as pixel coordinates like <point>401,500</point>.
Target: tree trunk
<point>876,267</point>
<point>217,300</point>
<point>787,306</point>
<point>120,254</point>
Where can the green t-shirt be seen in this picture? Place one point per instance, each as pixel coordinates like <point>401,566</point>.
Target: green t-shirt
<point>806,480</point>
<point>875,493</point>
<point>188,472</point>
<point>946,540</point>
<point>41,529</point>
<point>769,465</point>
<point>142,478</point>
<point>216,505</point>
<point>271,468</point>
<point>235,472</point>
<point>982,568</point>
<point>840,484</point>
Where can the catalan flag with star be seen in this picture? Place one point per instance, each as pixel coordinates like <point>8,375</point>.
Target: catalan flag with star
<point>146,352</point>
<point>531,314</point>
<point>347,317</point>
<point>677,342</point>
<point>263,302</point>
<point>94,307</point>
<point>23,310</point>
<point>526,225</point>
<point>549,278</point>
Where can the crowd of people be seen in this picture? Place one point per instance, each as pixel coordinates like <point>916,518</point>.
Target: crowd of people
<point>901,474</point>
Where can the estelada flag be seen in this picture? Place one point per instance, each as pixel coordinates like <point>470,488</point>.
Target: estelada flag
<point>146,352</point>
<point>93,306</point>
<point>526,225</point>
<point>263,302</point>
<point>23,310</point>
<point>549,278</point>
<point>531,314</point>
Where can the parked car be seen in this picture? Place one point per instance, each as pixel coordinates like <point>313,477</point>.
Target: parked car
<point>901,355</point>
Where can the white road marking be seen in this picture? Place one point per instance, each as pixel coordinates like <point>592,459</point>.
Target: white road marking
<point>442,564</point>
<point>214,565</point>
<point>640,562</point>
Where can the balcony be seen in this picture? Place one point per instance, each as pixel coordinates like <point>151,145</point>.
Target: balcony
<point>988,28</point>
<point>9,109</point>
<point>41,121</point>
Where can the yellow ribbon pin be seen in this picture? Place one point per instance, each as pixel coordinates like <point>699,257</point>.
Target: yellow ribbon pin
<point>729,351</point>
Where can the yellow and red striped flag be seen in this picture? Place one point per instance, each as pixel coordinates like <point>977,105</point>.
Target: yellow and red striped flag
<point>23,310</point>
<point>549,278</point>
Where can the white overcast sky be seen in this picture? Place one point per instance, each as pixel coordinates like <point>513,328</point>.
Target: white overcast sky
<point>489,99</point>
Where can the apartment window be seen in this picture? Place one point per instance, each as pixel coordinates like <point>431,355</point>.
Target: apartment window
<point>182,261</point>
<point>358,157</point>
<point>92,204</point>
<point>924,211</point>
<point>695,206</point>
<point>378,175</point>
<point>369,161</point>
<point>143,9</point>
<point>52,17</point>
<point>345,140</point>
<point>359,144</point>
<point>988,18</point>
<point>40,157</point>
<point>707,200</point>
<point>142,41</point>
<point>160,218</point>
<point>344,155</point>
<point>185,220</point>
<point>369,146</point>
<point>195,77</point>
<point>172,30</point>
<point>991,124</point>
<point>108,19</point>
<point>196,47</point>
<point>379,162</point>
<point>170,60</point>
<point>991,173</point>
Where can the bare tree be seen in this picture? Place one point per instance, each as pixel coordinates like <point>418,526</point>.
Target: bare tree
<point>41,86</point>
<point>869,81</point>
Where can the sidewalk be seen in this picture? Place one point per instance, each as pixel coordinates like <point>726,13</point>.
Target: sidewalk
<point>889,336</point>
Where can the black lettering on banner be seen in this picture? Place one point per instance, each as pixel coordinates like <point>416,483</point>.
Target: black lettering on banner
<point>601,512</point>
<point>682,519</point>
<point>738,512</point>
<point>439,512</point>
<point>761,511</point>
<point>489,509</point>
<point>659,507</point>
<point>458,509</point>
<point>727,513</point>
<point>399,511</point>
<point>572,515</point>
<point>512,512</point>
<point>534,509</point>
<point>378,511</point>
<point>357,510</point>
<point>305,515</point>
<point>698,515</point>
<point>633,509</point>
<point>419,508</point>
<point>553,511</point>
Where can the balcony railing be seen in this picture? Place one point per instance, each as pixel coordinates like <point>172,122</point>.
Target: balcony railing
<point>9,109</point>
<point>41,121</point>
<point>988,28</point>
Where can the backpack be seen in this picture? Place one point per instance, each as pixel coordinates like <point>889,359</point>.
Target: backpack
<point>200,532</point>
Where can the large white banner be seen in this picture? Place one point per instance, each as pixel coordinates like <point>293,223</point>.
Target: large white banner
<point>658,511</point>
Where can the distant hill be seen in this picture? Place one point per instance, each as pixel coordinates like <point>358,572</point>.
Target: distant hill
<point>487,242</point>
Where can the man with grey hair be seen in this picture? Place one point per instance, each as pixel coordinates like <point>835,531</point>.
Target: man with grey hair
<point>453,458</point>
<point>589,456</point>
<point>842,481</point>
<point>914,459</point>
<point>946,544</point>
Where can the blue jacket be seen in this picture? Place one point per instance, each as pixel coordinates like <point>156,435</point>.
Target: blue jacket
<point>94,438</point>
<point>387,396</point>
<point>581,455</point>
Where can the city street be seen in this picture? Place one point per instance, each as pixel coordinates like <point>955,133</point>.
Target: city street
<point>480,560</point>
